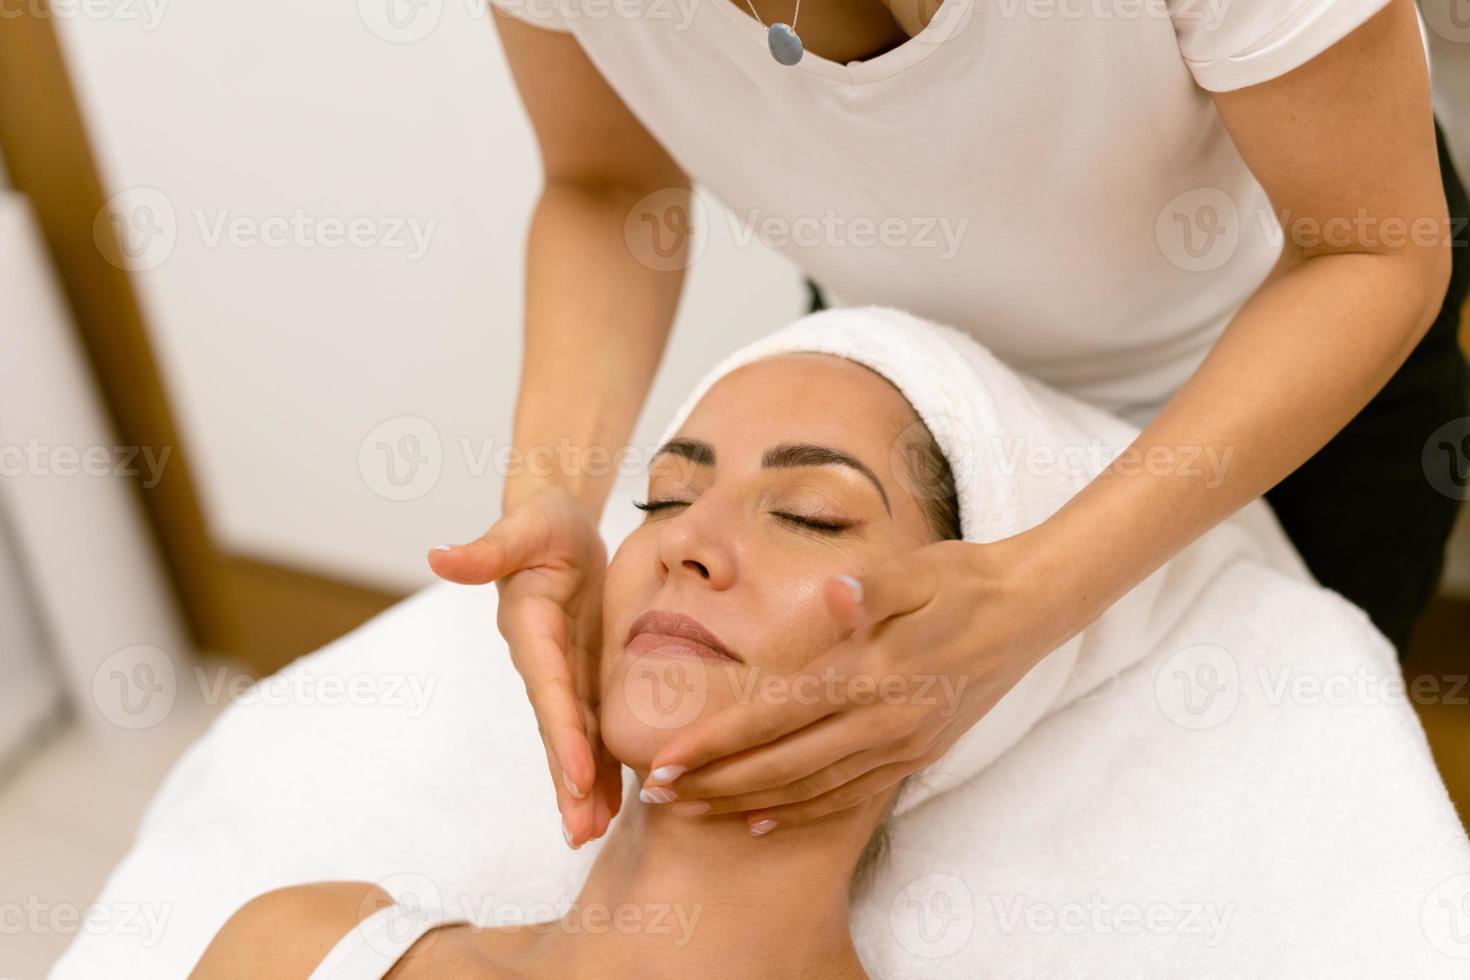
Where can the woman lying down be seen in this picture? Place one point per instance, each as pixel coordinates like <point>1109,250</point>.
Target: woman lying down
<point>789,493</point>
<point>836,444</point>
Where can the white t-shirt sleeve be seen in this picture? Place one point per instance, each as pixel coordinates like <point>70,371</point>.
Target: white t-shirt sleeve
<point>1229,44</point>
<point>554,15</point>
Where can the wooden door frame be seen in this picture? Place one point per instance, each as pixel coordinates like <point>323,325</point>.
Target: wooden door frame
<point>258,611</point>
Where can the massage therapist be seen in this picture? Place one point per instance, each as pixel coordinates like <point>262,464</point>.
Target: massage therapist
<point>1227,221</point>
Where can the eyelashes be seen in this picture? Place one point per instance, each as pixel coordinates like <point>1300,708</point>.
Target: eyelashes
<point>811,523</point>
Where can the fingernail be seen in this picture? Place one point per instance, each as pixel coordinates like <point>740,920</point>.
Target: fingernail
<point>856,586</point>
<point>764,826</point>
<point>656,794</point>
<point>665,773</point>
<point>571,786</point>
<point>566,834</point>
<point>442,547</point>
<point>690,808</point>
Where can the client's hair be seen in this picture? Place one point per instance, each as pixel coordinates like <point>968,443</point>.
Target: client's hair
<point>932,480</point>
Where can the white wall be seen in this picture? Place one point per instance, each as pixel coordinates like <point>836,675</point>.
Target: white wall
<point>281,361</point>
<point>284,363</point>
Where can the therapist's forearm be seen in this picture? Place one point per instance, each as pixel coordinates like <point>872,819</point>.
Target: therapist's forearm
<point>597,321</point>
<point>1299,360</point>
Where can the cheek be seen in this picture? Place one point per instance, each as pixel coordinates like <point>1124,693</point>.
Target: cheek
<point>798,626</point>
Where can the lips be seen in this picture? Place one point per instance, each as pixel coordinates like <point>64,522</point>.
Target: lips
<point>675,632</point>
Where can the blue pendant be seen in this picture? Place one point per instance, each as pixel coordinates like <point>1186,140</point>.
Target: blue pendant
<point>785,45</point>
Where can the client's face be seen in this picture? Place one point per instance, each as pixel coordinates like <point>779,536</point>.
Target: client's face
<point>789,471</point>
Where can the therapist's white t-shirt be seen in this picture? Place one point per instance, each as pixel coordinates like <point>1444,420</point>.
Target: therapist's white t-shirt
<point>1049,175</point>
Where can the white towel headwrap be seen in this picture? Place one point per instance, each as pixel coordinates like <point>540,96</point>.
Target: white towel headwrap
<point>1019,451</point>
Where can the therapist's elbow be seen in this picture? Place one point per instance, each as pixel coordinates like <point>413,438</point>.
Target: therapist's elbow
<point>1427,260</point>
<point>1439,266</point>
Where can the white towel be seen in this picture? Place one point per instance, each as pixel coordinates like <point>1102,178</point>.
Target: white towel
<point>1019,451</point>
<point>1221,781</point>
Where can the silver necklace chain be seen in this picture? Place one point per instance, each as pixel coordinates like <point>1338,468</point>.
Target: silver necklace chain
<point>794,14</point>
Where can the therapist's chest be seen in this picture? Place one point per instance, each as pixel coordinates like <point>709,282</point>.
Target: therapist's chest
<point>846,30</point>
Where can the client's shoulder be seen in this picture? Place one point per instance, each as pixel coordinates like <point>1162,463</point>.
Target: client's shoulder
<point>288,931</point>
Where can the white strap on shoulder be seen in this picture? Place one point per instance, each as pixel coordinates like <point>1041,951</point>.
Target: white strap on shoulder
<point>369,951</point>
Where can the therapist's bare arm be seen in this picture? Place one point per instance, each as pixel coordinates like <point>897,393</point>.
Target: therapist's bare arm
<point>1347,136</point>
<point>597,320</point>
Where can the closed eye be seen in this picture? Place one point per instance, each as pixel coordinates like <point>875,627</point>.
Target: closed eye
<point>812,523</point>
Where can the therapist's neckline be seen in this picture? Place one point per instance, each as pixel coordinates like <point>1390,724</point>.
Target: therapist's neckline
<point>951,18</point>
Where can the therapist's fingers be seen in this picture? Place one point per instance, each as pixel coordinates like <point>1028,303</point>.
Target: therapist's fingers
<point>745,725</point>
<point>783,762</point>
<point>535,629</point>
<point>516,541</point>
<point>849,794</point>
<point>824,780</point>
<point>900,586</point>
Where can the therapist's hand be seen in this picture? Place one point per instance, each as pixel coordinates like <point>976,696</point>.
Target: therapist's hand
<point>548,562</point>
<point>939,635</point>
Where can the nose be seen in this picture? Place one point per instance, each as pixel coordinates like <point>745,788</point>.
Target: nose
<point>697,542</point>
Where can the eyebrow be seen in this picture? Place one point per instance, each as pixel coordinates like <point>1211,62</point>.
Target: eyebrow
<point>786,455</point>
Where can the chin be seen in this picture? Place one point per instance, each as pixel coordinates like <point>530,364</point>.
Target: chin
<point>646,700</point>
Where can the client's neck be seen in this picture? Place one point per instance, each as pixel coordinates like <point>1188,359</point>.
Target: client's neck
<point>702,897</point>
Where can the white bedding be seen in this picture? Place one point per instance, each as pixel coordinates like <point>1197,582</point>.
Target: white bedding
<point>1220,778</point>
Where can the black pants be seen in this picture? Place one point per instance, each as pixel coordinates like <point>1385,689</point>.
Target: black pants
<point>1370,512</point>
